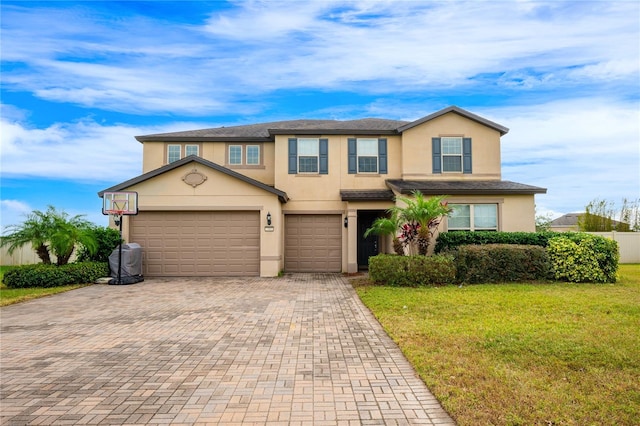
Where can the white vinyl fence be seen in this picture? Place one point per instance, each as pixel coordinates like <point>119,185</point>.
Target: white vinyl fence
<point>628,244</point>
<point>24,256</point>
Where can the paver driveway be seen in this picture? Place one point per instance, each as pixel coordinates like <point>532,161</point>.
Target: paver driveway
<point>301,349</point>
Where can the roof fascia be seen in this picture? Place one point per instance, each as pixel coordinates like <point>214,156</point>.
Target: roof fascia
<point>203,139</point>
<point>464,113</point>
<point>331,132</point>
<point>282,196</point>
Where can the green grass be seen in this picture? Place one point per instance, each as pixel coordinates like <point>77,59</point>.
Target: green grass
<point>522,354</point>
<point>9,296</point>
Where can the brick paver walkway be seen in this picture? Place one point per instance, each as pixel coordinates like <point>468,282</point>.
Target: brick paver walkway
<point>295,350</point>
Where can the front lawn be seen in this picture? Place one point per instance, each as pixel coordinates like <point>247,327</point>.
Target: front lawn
<point>522,354</point>
<point>9,296</point>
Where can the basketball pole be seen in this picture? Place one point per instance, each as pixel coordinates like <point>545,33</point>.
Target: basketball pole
<point>119,279</point>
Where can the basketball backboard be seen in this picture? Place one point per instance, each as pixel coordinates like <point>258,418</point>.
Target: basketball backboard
<point>120,203</point>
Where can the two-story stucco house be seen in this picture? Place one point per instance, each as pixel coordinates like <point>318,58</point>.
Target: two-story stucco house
<point>298,195</point>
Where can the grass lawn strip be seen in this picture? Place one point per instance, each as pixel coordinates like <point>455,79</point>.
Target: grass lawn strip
<point>549,353</point>
<point>9,296</point>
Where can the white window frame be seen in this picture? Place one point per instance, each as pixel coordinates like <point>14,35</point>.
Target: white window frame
<point>444,155</point>
<point>239,163</point>
<point>186,150</point>
<point>472,218</point>
<point>358,156</point>
<point>316,141</point>
<point>169,153</point>
<point>257,163</point>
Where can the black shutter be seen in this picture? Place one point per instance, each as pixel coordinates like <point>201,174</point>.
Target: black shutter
<point>293,156</point>
<point>466,155</point>
<point>353,156</point>
<point>436,155</point>
<point>382,156</point>
<point>324,156</point>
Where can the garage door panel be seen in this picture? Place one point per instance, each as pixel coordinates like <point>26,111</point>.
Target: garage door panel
<point>313,243</point>
<point>198,243</point>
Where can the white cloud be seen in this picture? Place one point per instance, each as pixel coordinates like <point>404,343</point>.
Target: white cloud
<point>257,47</point>
<point>578,149</point>
<point>12,212</point>
<point>83,151</point>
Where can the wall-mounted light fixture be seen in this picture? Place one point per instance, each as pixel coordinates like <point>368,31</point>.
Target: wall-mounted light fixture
<point>346,222</point>
<point>268,218</point>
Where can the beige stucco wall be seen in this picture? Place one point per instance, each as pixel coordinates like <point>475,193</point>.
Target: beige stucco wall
<point>219,192</point>
<point>416,151</point>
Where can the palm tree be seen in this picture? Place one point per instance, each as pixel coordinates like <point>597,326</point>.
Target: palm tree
<point>50,232</point>
<point>423,213</point>
<point>388,226</point>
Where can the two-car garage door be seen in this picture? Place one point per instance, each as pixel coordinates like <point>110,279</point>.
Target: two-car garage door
<point>198,243</point>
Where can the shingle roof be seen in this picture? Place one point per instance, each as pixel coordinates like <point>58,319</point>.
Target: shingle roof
<point>464,187</point>
<point>266,131</point>
<point>282,196</point>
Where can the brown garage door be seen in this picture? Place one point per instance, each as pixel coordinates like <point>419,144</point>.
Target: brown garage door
<point>313,243</point>
<point>198,243</point>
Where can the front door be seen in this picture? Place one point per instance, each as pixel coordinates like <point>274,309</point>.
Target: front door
<point>369,246</point>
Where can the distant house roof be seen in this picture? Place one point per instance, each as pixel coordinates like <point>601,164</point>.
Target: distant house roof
<point>265,132</point>
<point>571,220</point>
<point>464,187</point>
<point>282,196</point>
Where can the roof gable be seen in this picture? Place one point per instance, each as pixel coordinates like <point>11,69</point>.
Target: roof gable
<point>282,196</point>
<point>454,109</point>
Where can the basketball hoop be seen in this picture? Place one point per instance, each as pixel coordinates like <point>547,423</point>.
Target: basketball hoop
<point>116,205</point>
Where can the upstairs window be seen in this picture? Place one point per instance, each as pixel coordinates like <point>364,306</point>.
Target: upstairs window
<point>367,155</point>
<point>451,154</point>
<point>473,217</point>
<point>308,156</point>
<point>308,151</point>
<point>175,151</point>
<point>253,155</point>
<point>244,155</point>
<point>191,150</point>
<point>235,155</point>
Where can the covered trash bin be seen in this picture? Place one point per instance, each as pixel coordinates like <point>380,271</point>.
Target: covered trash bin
<point>131,268</point>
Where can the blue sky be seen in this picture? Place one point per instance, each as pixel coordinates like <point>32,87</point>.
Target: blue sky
<point>80,79</point>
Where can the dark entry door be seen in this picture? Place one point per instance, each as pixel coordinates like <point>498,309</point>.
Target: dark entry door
<point>369,246</point>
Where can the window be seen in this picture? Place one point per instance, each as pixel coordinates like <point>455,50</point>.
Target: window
<point>244,156</point>
<point>253,155</point>
<point>367,155</point>
<point>191,150</point>
<point>473,217</point>
<point>367,151</point>
<point>451,154</point>
<point>235,155</point>
<point>307,155</point>
<point>173,153</point>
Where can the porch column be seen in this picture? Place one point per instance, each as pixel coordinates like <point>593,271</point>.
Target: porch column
<point>352,241</point>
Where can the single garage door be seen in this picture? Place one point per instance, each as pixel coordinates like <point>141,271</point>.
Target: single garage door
<point>198,243</point>
<point>313,243</point>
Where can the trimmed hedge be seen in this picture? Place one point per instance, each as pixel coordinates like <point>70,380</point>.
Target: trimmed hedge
<point>40,275</point>
<point>580,257</point>
<point>453,239</point>
<point>412,271</point>
<point>494,263</point>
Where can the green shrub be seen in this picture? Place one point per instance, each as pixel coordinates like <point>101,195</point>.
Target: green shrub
<point>450,240</point>
<point>107,239</point>
<point>492,263</point>
<point>580,257</point>
<point>41,275</point>
<point>412,271</point>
